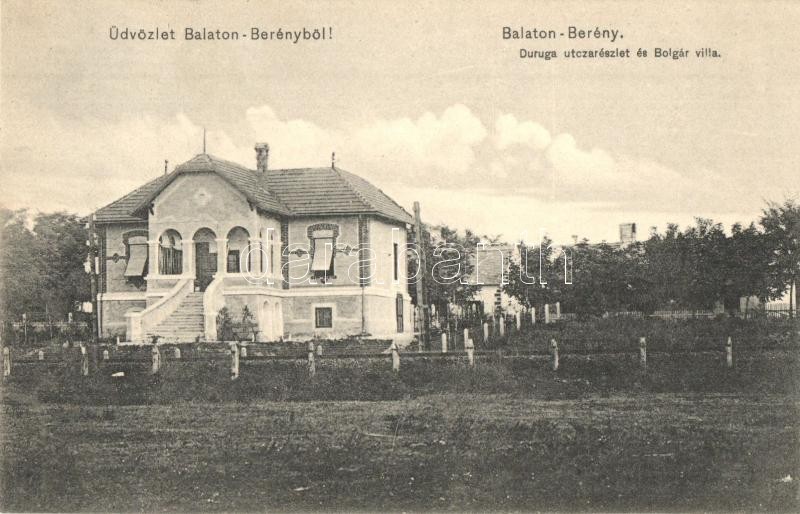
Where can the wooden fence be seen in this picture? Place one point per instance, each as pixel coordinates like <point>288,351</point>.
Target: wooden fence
<point>87,359</point>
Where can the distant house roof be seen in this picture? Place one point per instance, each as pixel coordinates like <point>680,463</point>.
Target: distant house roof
<point>489,264</point>
<point>288,192</point>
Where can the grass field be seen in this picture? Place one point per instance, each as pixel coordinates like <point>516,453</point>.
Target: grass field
<point>510,435</point>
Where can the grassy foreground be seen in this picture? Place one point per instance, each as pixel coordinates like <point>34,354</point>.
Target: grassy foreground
<point>511,435</point>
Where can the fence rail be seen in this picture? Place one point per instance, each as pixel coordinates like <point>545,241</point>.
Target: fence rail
<point>90,359</point>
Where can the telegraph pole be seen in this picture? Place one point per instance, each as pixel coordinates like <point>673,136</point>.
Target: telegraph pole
<point>93,257</point>
<point>422,306</point>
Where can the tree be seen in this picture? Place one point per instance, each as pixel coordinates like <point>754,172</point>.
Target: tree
<point>781,223</point>
<point>20,288</point>
<point>706,264</point>
<point>448,257</point>
<point>61,243</point>
<point>749,264</point>
<point>41,270</point>
<point>537,279</point>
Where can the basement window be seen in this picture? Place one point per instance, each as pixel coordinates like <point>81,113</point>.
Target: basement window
<point>323,317</point>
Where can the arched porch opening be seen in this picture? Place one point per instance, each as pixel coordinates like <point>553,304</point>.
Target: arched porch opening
<point>205,257</point>
<point>238,258</point>
<point>170,253</point>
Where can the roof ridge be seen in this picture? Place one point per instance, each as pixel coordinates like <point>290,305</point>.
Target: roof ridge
<point>226,161</point>
<point>307,168</point>
<point>353,188</point>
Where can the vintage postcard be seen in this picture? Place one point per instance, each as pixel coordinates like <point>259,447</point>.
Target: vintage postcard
<point>399,256</point>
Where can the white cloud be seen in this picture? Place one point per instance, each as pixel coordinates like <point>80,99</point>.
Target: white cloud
<point>83,164</point>
<point>509,132</point>
<point>294,143</point>
<point>442,146</point>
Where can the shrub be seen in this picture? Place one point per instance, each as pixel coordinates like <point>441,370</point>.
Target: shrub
<point>224,325</point>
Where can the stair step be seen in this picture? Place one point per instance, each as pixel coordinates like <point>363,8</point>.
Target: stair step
<point>186,323</point>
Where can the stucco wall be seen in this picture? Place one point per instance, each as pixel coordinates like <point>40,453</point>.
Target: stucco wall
<point>382,316</point>
<point>199,200</point>
<point>298,316</point>
<point>113,312</point>
<point>114,277</point>
<point>205,200</point>
<point>345,266</point>
<point>271,245</point>
<point>486,294</point>
<point>383,236</point>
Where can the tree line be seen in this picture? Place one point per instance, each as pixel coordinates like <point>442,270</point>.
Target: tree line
<point>42,260</point>
<point>697,268</point>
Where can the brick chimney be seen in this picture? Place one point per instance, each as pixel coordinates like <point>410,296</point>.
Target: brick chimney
<point>262,156</point>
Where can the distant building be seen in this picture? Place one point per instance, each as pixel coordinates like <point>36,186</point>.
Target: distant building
<point>627,233</point>
<point>490,274</point>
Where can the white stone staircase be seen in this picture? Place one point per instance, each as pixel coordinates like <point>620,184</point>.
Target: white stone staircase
<point>185,324</point>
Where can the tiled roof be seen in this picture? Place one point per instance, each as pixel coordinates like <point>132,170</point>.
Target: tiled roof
<point>299,192</point>
<point>492,262</point>
<point>316,191</point>
<point>121,209</point>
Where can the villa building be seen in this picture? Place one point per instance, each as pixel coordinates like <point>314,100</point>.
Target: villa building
<point>312,252</point>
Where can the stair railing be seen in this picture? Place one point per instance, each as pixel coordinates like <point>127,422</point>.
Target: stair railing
<point>142,322</point>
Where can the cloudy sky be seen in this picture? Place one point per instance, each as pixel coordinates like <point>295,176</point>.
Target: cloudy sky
<point>425,99</point>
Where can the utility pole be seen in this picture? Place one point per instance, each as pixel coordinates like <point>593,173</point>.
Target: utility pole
<point>422,305</point>
<point>91,242</point>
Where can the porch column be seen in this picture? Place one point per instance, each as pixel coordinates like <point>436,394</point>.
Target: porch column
<point>222,256</point>
<point>188,258</point>
<point>256,256</point>
<point>152,257</point>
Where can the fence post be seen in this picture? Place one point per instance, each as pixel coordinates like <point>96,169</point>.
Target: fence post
<point>469,346</point>
<point>234,361</point>
<point>546,313</point>
<point>395,357</point>
<point>729,352</point>
<point>444,342</point>
<point>117,340</point>
<point>105,355</point>
<point>312,366</point>
<point>558,310</point>
<point>155,353</point>
<point>554,351</point>
<point>177,353</point>
<point>466,336</point>
<point>243,352</point>
<point>533,315</point>
<point>94,359</point>
<point>319,350</point>
<point>485,332</point>
<point>6,361</point>
<point>502,326</point>
<point>643,353</point>
<point>84,361</point>
<point>519,321</point>
<point>41,355</point>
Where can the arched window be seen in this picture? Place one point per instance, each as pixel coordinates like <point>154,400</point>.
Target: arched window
<point>238,250</point>
<point>170,253</point>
